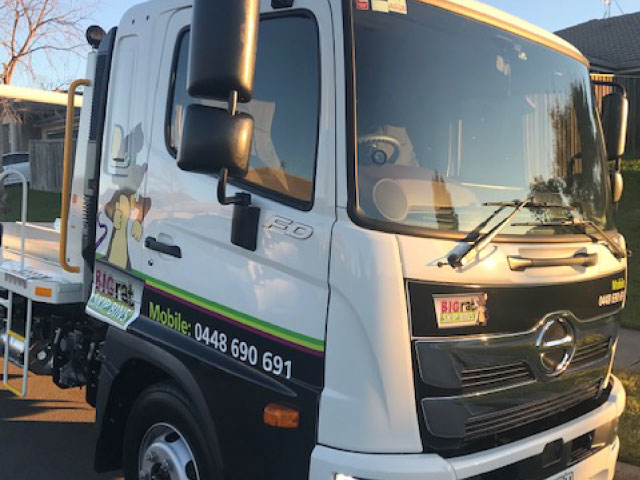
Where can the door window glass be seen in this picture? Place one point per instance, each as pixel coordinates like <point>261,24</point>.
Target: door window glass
<point>285,106</point>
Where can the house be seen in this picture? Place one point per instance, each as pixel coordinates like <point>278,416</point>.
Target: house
<point>33,121</point>
<point>612,46</point>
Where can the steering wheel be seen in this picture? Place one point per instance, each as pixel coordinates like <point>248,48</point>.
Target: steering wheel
<point>377,156</point>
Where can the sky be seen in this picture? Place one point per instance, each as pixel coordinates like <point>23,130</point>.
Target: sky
<point>552,15</point>
<point>555,15</point>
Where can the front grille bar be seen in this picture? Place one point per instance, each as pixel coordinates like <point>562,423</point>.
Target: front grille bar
<point>500,421</point>
<point>591,352</point>
<point>483,378</point>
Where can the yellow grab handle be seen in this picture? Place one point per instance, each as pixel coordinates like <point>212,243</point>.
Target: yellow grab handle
<point>66,175</point>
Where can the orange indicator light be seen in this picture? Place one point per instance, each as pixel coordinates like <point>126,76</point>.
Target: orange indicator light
<point>43,292</point>
<point>281,417</point>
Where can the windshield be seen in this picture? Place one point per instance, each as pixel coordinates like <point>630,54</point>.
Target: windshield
<point>453,114</point>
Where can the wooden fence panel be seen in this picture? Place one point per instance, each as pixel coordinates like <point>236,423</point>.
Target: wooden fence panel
<point>46,158</point>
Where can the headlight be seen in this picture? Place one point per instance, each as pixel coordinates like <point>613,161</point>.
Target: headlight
<point>342,476</point>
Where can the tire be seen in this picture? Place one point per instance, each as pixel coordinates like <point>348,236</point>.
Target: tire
<point>162,421</point>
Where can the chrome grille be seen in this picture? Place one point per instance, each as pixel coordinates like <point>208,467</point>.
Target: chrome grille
<point>591,352</point>
<point>495,376</point>
<point>507,419</point>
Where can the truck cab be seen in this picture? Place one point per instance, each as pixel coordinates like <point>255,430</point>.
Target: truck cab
<point>337,240</point>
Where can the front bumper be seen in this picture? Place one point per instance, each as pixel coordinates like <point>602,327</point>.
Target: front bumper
<point>327,462</point>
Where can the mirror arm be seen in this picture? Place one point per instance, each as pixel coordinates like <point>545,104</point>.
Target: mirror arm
<point>242,199</point>
<point>233,102</point>
<point>619,86</point>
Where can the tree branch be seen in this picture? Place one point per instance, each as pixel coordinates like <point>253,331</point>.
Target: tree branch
<point>30,28</point>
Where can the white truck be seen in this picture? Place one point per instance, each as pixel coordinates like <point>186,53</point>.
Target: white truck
<point>334,240</point>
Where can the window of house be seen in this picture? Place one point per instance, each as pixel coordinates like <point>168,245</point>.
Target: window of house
<point>285,106</point>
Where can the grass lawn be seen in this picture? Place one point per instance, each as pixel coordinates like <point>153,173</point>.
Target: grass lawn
<point>42,206</point>
<point>629,430</point>
<point>628,221</point>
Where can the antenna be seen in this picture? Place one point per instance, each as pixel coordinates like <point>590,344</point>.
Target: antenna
<point>607,8</point>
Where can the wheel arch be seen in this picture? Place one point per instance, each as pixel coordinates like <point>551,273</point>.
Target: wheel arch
<point>130,365</point>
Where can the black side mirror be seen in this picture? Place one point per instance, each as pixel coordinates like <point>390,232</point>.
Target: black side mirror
<point>617,186</point>
<point>224,45</point>
<point>222,63</point>
<point>615,118</point>
<point>222,60</point>
<point>213,140</point>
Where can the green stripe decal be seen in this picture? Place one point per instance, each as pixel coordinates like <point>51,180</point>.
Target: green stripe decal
<point>255,323</point>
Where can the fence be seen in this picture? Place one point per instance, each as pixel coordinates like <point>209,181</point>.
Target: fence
<point>47,160</point>
<point>632,84</point>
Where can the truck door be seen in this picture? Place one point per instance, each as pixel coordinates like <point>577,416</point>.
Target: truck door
<point>266,309</point>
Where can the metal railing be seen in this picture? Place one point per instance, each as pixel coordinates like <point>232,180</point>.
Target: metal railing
<point>23,213</point>
<point>9,334</point>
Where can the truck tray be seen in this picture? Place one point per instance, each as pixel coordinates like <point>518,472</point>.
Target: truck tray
<point>41,239</point>
<point>41,280</point>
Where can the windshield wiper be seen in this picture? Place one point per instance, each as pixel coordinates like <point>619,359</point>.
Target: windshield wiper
<point>530,204</point>
<point>456,260</point>
<point>580,224</point>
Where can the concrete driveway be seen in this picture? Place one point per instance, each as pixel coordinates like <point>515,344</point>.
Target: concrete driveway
<point>49,435</point>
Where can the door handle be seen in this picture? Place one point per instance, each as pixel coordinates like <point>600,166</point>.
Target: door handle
<point>153,244</point>
<point>519,264</point>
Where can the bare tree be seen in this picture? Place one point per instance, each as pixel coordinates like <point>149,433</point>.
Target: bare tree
<point>29,28</point>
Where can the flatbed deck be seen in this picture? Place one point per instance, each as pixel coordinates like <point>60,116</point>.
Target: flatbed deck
<point>41,239</point>
<point>42,279</point>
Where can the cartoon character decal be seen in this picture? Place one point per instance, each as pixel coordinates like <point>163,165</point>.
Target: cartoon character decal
<point>126,207</point>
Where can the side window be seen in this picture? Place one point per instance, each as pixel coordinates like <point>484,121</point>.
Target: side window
<point>285,106</point>
<point>125,140</point>
<point>179,96</point>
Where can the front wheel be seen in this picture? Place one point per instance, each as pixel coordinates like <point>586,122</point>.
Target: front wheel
<point>163,440</point>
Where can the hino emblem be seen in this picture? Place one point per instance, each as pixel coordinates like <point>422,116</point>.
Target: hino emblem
<point>556,344</point>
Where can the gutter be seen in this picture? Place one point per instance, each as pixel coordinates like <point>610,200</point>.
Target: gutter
<point>37,96</point>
